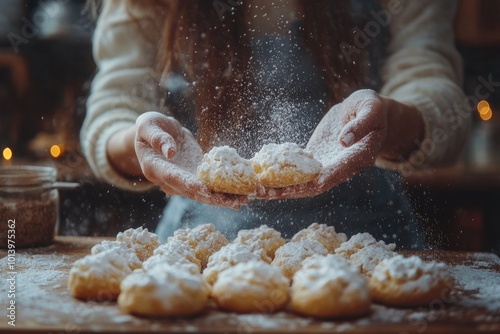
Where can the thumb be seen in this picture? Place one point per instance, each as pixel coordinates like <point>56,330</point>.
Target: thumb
<point>169,147</point>
<point>159,132</point>
<point>371,116</point>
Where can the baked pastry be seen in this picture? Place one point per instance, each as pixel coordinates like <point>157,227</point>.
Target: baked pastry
<point>289,257</point>
<point>140,240</point>
<point>368,257</point>
<point>98,277</point>
<point>400,281</point>
<point>283,165</point>
<point>253,286</point>
<point>324,234</point>
<point>329,286</point>
<point>262,238</point>
<point>224,170</point>
<point>226,257</point>
<point>203,239</point>
<point>354,244</point>
<point>365,251</point>
<point>164,291</point>
<point>120,248</point>
<point>173,252</point>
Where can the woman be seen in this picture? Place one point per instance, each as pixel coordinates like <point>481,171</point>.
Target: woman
<point>366,86</point>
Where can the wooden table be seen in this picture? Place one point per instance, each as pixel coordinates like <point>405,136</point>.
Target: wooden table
<point>44,305</point>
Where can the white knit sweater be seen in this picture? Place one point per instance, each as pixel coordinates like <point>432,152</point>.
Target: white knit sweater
<point>423,69</point>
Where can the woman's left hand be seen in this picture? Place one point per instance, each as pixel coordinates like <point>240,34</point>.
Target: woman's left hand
<point>348,138</point>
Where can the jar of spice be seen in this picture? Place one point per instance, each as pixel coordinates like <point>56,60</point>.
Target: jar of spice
<point>29,206</point>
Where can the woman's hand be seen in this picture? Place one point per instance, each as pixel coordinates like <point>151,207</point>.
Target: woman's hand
<point>169,154</point>
<point>350,137</point>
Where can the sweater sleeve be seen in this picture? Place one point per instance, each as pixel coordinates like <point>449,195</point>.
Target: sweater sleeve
<point>123,87</point>
<point>424,69</point>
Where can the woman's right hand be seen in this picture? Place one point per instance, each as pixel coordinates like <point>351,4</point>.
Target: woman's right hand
<point>169,154</point>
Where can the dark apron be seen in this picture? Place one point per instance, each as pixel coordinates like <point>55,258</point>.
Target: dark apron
<point>291,101</point>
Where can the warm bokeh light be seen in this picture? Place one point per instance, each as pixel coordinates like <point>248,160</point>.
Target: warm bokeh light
<point>7,153</point>
<point>484,109</point>
<point>55,151</point>
<point>486,116</point>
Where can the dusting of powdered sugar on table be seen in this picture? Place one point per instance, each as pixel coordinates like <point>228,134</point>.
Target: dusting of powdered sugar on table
<point>43,299</point>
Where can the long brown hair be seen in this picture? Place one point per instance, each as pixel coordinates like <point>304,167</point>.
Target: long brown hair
<point>213,52</point>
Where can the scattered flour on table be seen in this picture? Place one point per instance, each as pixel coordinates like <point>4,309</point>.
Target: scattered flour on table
<point>247,323</point>
<point>484,282</point>
<point>42,293</point>
<point>42,280</point>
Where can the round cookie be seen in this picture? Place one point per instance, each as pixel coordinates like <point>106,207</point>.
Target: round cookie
<point>368,257</point>
<point>283,165</point>
<point>329,287</point>
<point>120,248</point>
<point>262,238</point>
<point>173,252</point>
<point>98,277</point>
<point>226,257</point>
<point>164,291</point>
<point>203,239</point>
<point>354,244</point>
<point>290,256</point>
<point>253,286</point>
<point>140,240</point>
<point>408,282</point>
<point>224,170</point>
<point>324,234</point>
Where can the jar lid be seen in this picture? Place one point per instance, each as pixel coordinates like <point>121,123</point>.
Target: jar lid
<point>23,176</point>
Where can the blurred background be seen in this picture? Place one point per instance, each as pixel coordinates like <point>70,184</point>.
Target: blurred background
<point>45,70</point>
<point>46,66</point>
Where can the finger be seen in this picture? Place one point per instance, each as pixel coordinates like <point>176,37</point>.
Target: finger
<point>268,193</point>
<point>177,181</point>
<point>234,202</point>
<point>351,161</point>
<point>292,192</point>
<point>161,171</point>
<point>207,196</point>
<point>369,117</point>
<point>160,132</point>
<point>309,189</point>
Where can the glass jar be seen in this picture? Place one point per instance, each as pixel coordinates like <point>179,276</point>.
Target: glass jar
<point>29,206</point>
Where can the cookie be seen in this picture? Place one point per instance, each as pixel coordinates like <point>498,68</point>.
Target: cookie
<point>164,291</point>
<point>120,248</point>
<point>262,238</point>
<point>409,281</point>
<point>228,256</point>
<point>98,277</point>
<point>251,287</point>
<point>368,257</point>
<point>283,165</point>
<point>173,252</point>
<point>329,287</point>
<point>203,239</point>
<point>324,234</point>
<point>224,170</point>
<point>290,256</point>
<point>140,240</point>
<point>354,244</point>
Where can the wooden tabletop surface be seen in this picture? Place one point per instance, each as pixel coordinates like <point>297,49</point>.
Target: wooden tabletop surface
<point>38,280</point>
